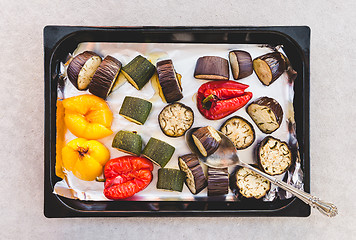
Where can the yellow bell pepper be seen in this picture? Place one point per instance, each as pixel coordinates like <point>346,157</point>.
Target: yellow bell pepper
<point>85,158</point>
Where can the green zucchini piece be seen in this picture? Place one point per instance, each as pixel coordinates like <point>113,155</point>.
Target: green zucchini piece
<point>128,142</point>
<point>135,109</point>
<point>170,179</point>
<point>158,152</point>
<point>139,71</point>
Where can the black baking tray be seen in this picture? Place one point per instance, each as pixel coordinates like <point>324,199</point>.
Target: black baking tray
<point>61,40</point>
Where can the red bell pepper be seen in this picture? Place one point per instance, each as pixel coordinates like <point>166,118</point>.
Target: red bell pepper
<point>127,175</point>
<point>218,99</point>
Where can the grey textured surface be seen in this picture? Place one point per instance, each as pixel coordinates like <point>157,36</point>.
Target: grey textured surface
<point>22,109</point>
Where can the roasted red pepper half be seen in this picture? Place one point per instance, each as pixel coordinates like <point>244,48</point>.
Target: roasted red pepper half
<point>127,175</point>
<point>218,99</point>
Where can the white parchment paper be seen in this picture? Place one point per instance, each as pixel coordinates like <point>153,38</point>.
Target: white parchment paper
<point>184,57</point>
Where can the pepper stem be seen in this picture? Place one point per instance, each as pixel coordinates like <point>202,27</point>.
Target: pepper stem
<point>208,98</point>
<point>206,101</point>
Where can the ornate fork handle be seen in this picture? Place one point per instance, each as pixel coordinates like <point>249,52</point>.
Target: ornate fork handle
<point>325,208</point>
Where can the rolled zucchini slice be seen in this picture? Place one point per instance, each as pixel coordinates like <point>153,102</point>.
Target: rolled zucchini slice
<point>170,179</point>
<point>218,181</point>
<point>239,131</point>
<point>138,72</point>
<point>274,156</point>
<point>207,140</point>
<point>81,69</point>
<point>175,119</point>
<point>128,142</point>
<point>241,64</point>
<point>169,81</point>
<point>212,68</point>
<point>105,77</point>
<point>249,184</point>
<point>158,152</point>
<point>195,180</point>
<point>135,109</point>
<point>269,67</point>
<point>267,113</point>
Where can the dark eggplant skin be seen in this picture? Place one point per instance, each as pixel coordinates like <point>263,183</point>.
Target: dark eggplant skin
<point>272,104</point>
<point>171,88</point>
<point>212,68</point>
<point>205,137</point>
<point>258,151</point>
<point>244,65</point>
<point>235,189</point>
<point>247,122</point>
<point>276,63</point>
<point>218,181</point>
<point>192,162</point>
<point>76,65</point>
<point>104,77</point>
<point>183,106</point>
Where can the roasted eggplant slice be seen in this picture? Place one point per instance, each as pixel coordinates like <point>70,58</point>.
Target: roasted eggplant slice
<point>170,179</point>
<point>239,131</point>
<point>267,113</point>
<point>169,81</point>
<point>249,184</point>
<point>274,156</point>
<point>105,76</point>
<point>218,181</point>
<point>212,68</point>
<point>82,68</point>
<point>207,140</point>
<point>175,119</point>
<point>195,180</point>
<point>241,64</point>
<point>269,67</point>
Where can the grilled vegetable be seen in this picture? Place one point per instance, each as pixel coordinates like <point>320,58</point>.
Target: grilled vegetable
<point>82,68</point>
<point>175,119</point>
<point>105,76</point>
<point>207,140</point>
<point>239,131</point>
<point>216,100</point>
<point>269,67</point>
<point>249,184</point>
<point>169,81</point>
<point>158,152</point>
<point>135,109</point>
<point>125,176</point>
<point>195,180</point>
<point>138,72</point>
<point>266,113</point>
<point>128,142</point>
<point>170,179</point>
<point>274,156</point>
<point>212,68</point>
<point>241,64</point>
<point>218,181</point>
